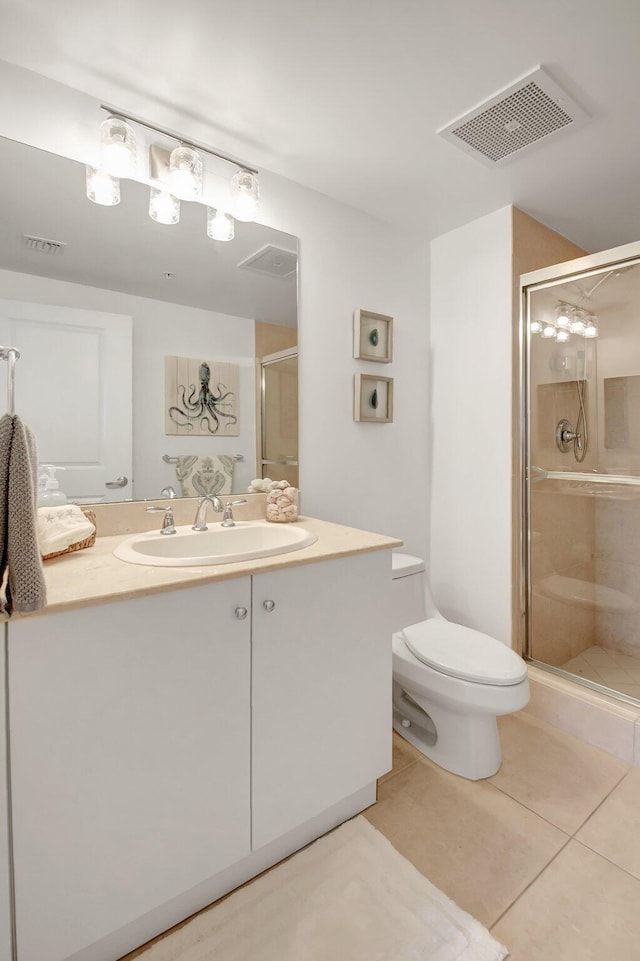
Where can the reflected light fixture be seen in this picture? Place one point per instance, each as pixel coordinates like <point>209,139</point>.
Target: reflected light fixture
<point>164,208</point>
<point>548,330</point>
<point>245,194</point>
<point>535,326</point>
<point>562,335</point>
<point>185,172</point>
<point>579,321</point>
<point>118,143</point>
<point>102,188</point>
<point>591,329</point>
<point>563,315</point>
<point>220,226</point>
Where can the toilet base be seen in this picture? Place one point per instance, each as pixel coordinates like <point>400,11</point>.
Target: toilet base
<point>465,744</point>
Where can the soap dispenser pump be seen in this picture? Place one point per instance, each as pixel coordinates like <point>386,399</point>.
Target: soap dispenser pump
<point>51,496</point>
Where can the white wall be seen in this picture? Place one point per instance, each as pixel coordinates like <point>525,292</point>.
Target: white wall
<point>161,329</point>
<point>471,322</point>
<point>369,475</point>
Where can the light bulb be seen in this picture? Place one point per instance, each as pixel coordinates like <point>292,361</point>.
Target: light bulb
<point>185,173</point>
<point>548,331</point>
<point>563,315</point>
<point>220,226</point>
<point>535,326</point>
<point>118,147</point>
<point>163,207</point>
<point>562,335</point>
<point>245,194</point>
<point>102,188</point>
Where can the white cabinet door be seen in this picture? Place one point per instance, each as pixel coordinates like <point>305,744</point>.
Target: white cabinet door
<point>321,688</point>
<point>73,388</point>
<point>130,759</point>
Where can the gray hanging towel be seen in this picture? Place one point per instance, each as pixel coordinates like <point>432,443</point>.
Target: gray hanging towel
<point>21,573</point>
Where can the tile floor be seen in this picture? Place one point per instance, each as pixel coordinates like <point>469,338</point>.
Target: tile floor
<point>617,671</point>
<point>546,853</point>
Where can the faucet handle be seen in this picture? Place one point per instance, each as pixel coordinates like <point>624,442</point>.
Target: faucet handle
<point>167,521</point>
<point>227,518</point>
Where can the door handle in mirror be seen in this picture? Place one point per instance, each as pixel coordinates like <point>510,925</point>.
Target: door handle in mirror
<point>118,482</point>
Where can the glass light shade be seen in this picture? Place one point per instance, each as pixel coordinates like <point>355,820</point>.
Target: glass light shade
<point>591,329</point>
<point>548,331</point>
<point>245,194</point>
<point>535,326</point>
<point>579,322</point>
<point>562,335</point>
<point>163,207</point>
<point>185,173</point>
<point>102,188</point>
<point>220,226</point>
<point>118,141</point>
<point>563,316</point>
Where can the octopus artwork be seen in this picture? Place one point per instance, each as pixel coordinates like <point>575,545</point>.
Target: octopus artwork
<point>202,407</point>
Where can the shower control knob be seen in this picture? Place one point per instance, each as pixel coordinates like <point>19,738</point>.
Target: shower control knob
<point>241,613</point>
<point>269,606</point>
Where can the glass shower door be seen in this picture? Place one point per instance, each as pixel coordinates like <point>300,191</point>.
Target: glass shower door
<point>582,417</point>
<point>279,416</point>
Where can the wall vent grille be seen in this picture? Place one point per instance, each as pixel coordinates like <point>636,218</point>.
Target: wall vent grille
<point>272,260</point>
<point>528,111</point>
<point>43,246</point>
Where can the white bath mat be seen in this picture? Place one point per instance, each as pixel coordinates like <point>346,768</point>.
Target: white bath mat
<point>348,897</point>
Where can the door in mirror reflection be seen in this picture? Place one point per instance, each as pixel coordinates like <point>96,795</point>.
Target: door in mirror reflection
<point>73,389</point>
<point>280,416</point>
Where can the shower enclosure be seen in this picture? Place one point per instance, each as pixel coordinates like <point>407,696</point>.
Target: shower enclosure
<point>581,498</point>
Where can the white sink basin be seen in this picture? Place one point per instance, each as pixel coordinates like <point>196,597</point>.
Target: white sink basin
<point>218,545</point>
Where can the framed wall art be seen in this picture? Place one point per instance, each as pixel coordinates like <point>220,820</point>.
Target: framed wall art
<point>372,399</point>
<point>201,397</point>
<point>372,336</point>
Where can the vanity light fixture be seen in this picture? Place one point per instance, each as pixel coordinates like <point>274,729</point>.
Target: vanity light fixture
<point>220,226</point>
<point>245,192</point>
<point>579,321</point>
<point>535,327</point>
<point>118,141</point>
<point>164,208</point>
<point>185,172</point>
<point>102,188</point>
<point>562,335</point>
<point>180,175</point>
<point>548,330</point>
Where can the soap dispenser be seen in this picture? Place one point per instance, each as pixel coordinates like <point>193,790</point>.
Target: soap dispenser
<point>51,496</point>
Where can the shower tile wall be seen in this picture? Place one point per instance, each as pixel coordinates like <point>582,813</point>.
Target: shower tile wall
<point>617,565</point>
<point>563,536</point>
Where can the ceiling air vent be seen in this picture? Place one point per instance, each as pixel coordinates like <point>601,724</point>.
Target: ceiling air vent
<point>43,246</point>
<point>524,113</point>
<point>272,260</point>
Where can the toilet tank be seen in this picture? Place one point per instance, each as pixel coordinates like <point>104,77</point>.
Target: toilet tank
<point>407,594</point>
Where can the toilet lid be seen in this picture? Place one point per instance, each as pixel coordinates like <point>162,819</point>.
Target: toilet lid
<point>462,652</point>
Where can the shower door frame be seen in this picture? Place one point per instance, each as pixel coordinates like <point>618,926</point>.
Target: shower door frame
<point>578,269</point>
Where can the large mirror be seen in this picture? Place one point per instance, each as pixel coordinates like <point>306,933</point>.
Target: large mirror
<point>150,354</point>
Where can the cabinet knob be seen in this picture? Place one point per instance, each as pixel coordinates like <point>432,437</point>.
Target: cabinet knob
<point>241,613</point>
<point>268,606</point>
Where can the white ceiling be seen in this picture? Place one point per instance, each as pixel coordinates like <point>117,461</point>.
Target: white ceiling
<point>345,97</point>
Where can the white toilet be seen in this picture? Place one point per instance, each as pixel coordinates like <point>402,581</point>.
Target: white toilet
<point>450,683</point>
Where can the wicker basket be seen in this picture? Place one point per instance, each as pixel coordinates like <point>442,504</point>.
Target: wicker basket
<point>87,542</point>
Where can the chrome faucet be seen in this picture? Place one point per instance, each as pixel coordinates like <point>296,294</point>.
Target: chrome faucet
<point>227,517</point>
<point>201,514</point>
<point>167,521</point>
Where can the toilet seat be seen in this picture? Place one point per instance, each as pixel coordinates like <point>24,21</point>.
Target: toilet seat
<point>464,653</point>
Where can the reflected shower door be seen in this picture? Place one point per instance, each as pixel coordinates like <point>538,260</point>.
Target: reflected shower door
<point>279,416</point>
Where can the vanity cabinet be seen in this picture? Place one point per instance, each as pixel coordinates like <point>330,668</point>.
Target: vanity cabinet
<point>161,741</point>
<point>130,744</point>
<point>321,687</point>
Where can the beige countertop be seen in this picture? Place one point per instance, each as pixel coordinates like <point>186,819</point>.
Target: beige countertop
<point>95,576</point>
